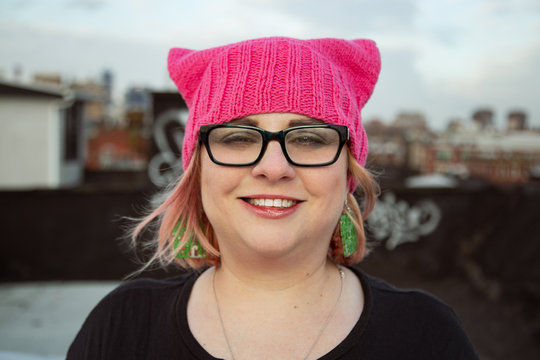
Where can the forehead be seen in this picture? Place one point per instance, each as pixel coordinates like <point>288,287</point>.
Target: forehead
<point>276,119</point>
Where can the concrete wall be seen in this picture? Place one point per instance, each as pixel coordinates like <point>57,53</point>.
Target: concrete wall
<point>73,234</point>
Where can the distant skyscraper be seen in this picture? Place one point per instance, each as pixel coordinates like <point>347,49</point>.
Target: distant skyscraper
<point>137,98</point>
<point>107,82</point>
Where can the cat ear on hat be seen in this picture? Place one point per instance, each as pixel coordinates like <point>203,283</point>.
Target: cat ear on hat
<point>371,65</point>
<point>186,68</point>
<point>359,59</point>
<point>176,64</point>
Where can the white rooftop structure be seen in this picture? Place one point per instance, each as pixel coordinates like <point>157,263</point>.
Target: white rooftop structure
<point>41,139</point>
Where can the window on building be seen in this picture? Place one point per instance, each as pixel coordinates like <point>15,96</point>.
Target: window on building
<point>72,131</point>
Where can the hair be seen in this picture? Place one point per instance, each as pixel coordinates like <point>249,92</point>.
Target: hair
<point>182,209</point>
<point>367,191</point>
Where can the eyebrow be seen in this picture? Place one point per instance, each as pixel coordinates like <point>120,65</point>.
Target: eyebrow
<point>307,121</point>
<point>246,120</point>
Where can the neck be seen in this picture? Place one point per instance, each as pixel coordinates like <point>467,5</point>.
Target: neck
<point>273,273</point>
<point>296,297</point>
<point>276,282</point>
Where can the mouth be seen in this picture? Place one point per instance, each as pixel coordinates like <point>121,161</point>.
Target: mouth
<point>275,203</point>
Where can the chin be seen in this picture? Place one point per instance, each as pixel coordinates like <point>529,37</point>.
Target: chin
<point>272,248</point>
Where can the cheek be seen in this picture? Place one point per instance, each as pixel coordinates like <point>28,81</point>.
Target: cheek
<point>328,188</point>
<point>216,183</point>
<point>342,176</point>
<point>338,189</point>
<point>336,186</point>
<point>331,180</point>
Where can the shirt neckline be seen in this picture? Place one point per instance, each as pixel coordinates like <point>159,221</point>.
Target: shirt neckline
<point>189,341</point>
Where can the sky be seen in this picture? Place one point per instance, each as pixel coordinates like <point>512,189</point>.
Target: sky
<point>442,58</point>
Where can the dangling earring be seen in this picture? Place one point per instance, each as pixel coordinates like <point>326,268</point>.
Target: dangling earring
<point>348,233</point>
<point>192,249</point>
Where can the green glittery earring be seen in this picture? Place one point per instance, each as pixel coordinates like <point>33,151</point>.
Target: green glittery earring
<point>192,249</point>
<point>348,234</point>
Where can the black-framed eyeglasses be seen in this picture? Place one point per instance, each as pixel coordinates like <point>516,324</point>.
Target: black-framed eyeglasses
<point>305,145</point>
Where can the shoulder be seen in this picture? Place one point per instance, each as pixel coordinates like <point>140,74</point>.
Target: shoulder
<point>401,299</point>
<point>415,319</point>
<point>135,315</point>
<point>151,286</point>
<point>141,292</point>
<point>408,302</point>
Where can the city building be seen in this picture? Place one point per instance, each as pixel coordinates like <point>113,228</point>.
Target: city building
<point>400,144</point>
<point>41,137</point>
<point>474,150</point>
<point>123,144</point>
<point>483,152</point>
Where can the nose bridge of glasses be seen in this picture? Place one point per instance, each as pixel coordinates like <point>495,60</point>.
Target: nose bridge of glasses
<point>278,136</point>
<point>270,136</point>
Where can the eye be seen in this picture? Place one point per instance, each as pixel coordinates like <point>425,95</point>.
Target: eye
<point>315,137</point>
<point>234,137</point>
<point>306,139</point>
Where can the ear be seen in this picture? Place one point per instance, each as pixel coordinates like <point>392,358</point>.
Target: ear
<point>359,59</point>
<point>186,68</point>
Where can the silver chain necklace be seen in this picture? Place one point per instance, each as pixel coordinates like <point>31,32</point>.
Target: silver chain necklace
<point>341,276</point>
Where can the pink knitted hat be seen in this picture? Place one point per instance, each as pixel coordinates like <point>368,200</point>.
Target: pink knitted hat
<point>327,79</point>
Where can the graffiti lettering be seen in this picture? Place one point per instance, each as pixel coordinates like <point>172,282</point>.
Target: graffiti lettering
<point>399,223</point>
<point>168,134</point>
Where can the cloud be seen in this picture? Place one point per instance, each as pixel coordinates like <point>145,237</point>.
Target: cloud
<point>344,18</point>
<point>457,45</point>
<point>399,84</point>
<point>86,4</point>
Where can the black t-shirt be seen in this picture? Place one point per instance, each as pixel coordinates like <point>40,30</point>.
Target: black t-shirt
<point>147,319</point>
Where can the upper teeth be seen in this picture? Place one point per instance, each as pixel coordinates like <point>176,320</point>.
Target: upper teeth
<point>282,203</point>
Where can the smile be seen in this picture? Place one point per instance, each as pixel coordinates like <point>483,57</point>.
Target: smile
<point>278,203</point>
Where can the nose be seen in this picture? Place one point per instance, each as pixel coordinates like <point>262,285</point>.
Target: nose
<point>274,165</point>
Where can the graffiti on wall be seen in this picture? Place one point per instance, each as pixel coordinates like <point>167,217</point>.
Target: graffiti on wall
<point>397,222</point>
<point>168,134</point>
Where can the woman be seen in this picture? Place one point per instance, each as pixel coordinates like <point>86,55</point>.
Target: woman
<point>273,150</point>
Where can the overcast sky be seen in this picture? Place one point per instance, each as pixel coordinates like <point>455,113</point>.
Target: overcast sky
<point>444,58</point>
